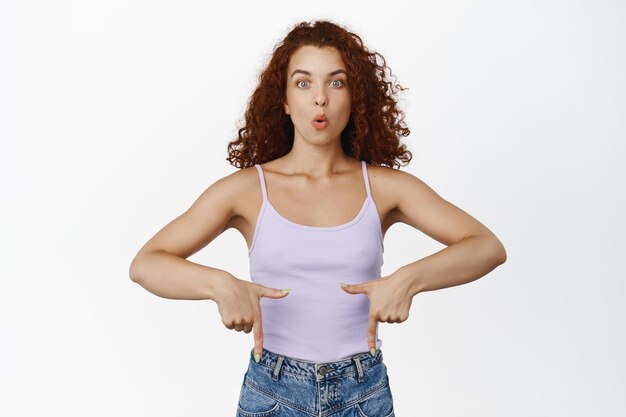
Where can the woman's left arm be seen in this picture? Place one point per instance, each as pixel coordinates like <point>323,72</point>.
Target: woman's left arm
<point>461,262</point>
<point>472,249</point>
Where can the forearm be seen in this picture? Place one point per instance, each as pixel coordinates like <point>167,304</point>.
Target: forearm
<point>457,264</point>
<point>170,276</point>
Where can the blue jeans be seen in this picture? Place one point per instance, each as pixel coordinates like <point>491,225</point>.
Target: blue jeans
<point>281,386</point>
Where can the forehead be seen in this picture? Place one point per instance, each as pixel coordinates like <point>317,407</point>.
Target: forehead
<point>316,59</point>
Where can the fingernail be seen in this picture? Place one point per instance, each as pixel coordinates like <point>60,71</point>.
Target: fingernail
<point>373,352</point>
<point>286,290</point>
<point>343,284</point>
<point>257,358</point>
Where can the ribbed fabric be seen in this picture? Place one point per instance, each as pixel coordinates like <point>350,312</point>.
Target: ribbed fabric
<point>317,321</point>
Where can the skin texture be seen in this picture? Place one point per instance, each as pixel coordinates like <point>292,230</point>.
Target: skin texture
<point>306,186</point>
<point>310,95</point>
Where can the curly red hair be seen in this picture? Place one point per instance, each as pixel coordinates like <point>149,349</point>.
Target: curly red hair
<point>375,126</point>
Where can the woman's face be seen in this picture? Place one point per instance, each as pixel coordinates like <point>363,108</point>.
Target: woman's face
<point>317,83</point>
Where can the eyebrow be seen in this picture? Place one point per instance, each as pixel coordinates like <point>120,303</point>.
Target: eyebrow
<point>308,73</point>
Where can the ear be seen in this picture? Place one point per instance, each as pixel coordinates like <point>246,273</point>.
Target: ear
<point>286,107</point>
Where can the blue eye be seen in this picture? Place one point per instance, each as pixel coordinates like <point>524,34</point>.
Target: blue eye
<point>305,81</point>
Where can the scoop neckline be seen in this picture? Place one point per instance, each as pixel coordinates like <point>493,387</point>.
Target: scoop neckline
<point>321,228</point>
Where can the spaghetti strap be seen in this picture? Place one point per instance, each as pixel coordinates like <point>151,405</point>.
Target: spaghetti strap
<point>366,179</point>
<point>262,181</point>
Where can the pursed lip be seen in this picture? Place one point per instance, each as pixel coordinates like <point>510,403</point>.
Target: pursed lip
<point>320,117</point>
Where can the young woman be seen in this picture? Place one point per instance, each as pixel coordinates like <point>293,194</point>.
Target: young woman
<point>314,196</point>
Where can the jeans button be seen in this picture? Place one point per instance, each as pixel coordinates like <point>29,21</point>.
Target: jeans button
<point>323,370</point>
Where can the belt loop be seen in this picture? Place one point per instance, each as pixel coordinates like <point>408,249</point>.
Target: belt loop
<point>279,363</point>
<point>359,368</point>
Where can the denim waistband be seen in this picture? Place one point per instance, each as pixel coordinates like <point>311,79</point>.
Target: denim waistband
<point>317,370</point>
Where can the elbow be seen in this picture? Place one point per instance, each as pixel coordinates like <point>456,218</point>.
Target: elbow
<point>501,258</point>
<point>141,266</point>
<point>492,249</point>
<point>133,271</point>
<point>499,252</point>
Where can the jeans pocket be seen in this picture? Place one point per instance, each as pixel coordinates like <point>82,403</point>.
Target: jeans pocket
<point>254,403</point>
<point>377,404</point>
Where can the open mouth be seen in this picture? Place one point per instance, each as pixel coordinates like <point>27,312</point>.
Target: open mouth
<point>320,123</point>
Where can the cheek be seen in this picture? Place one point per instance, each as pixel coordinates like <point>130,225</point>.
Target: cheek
<point>295,102</point>
<point>346,102</point>
<point>347,107</point>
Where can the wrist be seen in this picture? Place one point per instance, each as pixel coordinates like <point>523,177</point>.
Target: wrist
<point>412,278</point>
<point>216,283</point>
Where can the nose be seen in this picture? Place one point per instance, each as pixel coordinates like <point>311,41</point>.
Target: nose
<point>320,98</point>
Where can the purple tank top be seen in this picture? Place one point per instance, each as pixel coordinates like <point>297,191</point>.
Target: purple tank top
<point>318,321</point>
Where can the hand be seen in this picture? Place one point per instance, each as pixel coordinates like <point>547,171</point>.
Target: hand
<point>239,306</point>
<point>390,302</point>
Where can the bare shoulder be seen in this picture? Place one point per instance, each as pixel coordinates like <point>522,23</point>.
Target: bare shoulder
<point>384,182</point>
<point>246,183</point>
<point>412,201</point>
<point>212,213</point>
<point>391,183</point>
<point>228,190</point>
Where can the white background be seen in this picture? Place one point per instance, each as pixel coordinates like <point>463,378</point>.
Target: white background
<point>115,116</point>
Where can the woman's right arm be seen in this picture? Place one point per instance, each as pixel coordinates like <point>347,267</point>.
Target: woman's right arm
<point>161,265</point>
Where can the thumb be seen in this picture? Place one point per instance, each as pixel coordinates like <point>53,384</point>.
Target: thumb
<point>273,292</point>
<point>352,288</point>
